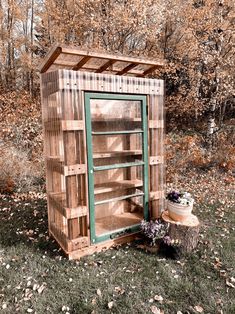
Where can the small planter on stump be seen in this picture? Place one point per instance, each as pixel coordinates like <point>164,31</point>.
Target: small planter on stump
<point>179,212</point>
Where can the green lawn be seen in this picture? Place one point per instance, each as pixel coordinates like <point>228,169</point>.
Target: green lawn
<point>35,277</point>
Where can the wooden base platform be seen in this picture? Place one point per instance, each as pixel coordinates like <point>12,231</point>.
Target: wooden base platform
<point>96,248</point>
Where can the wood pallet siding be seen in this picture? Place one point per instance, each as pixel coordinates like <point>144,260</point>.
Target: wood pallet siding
<point>65,142</point>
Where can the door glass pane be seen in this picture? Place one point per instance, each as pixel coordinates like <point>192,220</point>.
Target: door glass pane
<point>117,163</point>
<point>119,148</point>
<point>114,115</point>
<point>110,217</point>
<point>116,131</point>
<point>116,205</point>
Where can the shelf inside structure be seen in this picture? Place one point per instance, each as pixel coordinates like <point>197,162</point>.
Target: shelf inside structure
<point>97,155</point>
<point>117,185</point>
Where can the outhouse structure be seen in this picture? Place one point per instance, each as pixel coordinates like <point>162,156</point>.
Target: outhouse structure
<point>103,123</point>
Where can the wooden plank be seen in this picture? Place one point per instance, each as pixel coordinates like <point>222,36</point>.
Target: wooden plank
<point>127,132</point>
<point>69,139</point>
<point>148,71</point>
<point>56,164</point>
<point>155,160</point>
<point>137,60</point>
<point>77,212</point>
<point>105,66</point>
<point>50,58</point>
<point>127,69</point>
<point>52,126</point>
<point>58,201</point>
<point>156,195</point>
<point>60,237</point>
<point>91,68</point>
<point>117,153</point>
<point>119,165</point>
<point>81,63</point>
<point>119,198</point>
<point>66,244</point>
<point>156,124</point>
<point>83,221</point>
<point>72,125</point>
<point>102,246</point>
<point>116,120</point>
<point>116,185</point>
<point>79,243</point>
<point>76,169</point>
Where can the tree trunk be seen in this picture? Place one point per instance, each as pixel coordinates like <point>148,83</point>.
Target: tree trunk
<point>211,125</point>
<point>185,234</point>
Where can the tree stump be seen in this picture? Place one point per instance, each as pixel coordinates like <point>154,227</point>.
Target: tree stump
<point>186,232</point>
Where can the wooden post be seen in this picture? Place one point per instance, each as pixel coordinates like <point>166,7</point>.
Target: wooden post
<point>70,157</point>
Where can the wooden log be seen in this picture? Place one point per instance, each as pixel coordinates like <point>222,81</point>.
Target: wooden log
<point>186,232</point>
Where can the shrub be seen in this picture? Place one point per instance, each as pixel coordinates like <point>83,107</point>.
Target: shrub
<point>17,172</point>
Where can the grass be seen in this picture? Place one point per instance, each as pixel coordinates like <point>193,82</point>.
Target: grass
<point>126,276</point>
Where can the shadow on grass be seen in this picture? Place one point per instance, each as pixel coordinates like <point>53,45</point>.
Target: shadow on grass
<point>25,221</point>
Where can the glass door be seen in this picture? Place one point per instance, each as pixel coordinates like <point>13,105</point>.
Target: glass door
<point>116,129</point>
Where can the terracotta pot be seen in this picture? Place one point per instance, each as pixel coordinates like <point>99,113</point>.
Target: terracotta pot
<point>179,212</point>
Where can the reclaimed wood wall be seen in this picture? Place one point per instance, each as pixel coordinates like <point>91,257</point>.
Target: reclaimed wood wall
<point>62,94</point>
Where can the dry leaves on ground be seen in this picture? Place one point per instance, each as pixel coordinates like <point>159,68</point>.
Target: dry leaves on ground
<point>156,310</point>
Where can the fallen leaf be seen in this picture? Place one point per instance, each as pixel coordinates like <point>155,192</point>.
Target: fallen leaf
<point>4,306</point>
<point>229,284</point>
<point>198,309</point>
<point>156,310</point>
<point>99,292</point>
<point>41,288</point>
<point>158,298</point>
<point>119,290</point>
<point>110,305</point>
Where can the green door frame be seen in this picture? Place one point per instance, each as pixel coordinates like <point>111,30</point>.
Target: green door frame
<point>91,168</point>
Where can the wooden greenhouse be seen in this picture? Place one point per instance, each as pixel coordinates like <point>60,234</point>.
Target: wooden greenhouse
<point>103,135</point>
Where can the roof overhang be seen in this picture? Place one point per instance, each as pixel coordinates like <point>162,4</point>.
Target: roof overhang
<point>73,58</point>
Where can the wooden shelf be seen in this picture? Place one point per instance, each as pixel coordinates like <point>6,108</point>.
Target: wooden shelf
<point>121,132</point>
<point>113,120</point>
<point>117,185</point>
<point>117,221</point>
<point>119,198</point>
<point>97,155</point>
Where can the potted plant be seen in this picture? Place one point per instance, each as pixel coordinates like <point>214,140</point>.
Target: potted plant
<point>158,239</point>
<point>154,230</point>
<point>179,205</point>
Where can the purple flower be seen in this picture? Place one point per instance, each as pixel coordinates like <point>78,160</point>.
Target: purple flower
<point>167,240</point>
<point>154,230</point>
